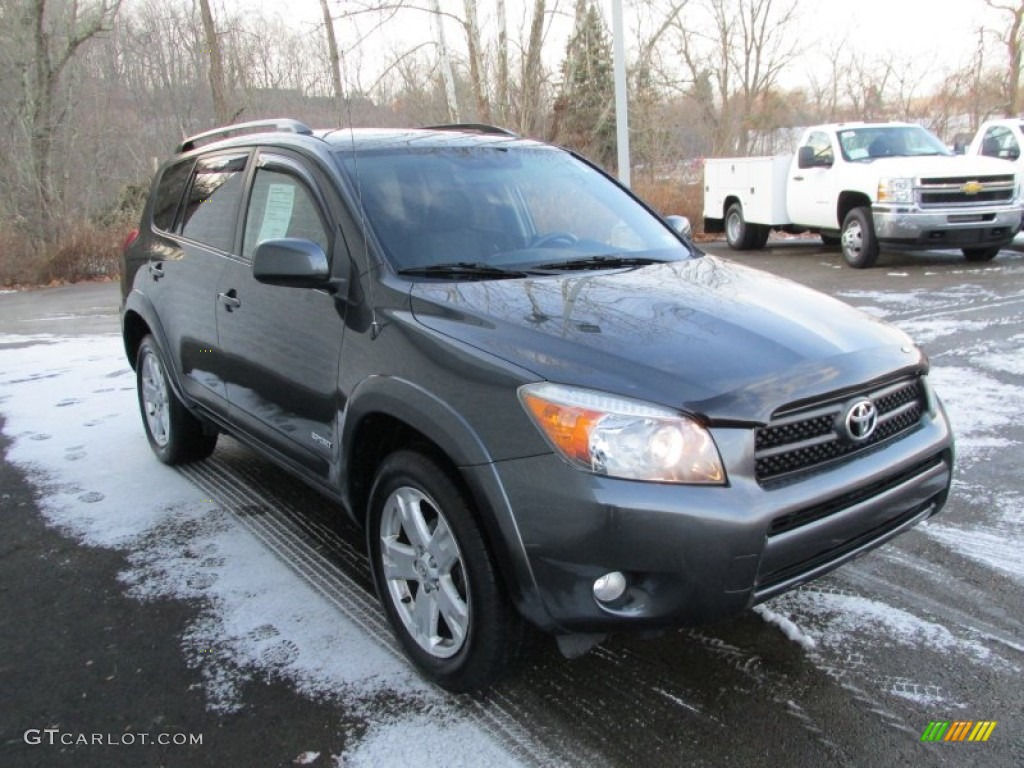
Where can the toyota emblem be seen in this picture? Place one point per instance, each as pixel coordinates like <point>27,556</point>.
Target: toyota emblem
<point>860,420</point>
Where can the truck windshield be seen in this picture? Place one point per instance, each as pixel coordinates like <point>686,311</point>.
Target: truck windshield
<point>888,141</point>
<point>500,207</point>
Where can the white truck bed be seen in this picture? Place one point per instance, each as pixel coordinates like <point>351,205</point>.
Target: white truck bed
<point>759,181</point>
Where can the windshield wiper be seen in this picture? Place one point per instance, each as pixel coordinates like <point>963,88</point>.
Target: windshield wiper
<point>461,269</point>
<point>599,262</point>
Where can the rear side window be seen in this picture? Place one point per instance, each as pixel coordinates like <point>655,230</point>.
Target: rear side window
<point>168,194</point>
<point>282,206</point>
<point>211,210</point>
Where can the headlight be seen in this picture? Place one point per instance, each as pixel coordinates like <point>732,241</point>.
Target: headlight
<point>896,191</point>
<point>620,437</point>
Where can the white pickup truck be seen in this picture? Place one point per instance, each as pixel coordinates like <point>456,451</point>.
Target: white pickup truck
<point>862,185</point>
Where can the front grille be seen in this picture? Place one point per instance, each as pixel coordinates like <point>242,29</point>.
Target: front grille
<point>946,191</point>
<point>810,437</point>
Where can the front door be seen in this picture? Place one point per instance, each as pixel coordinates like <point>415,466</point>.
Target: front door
<point>281,346</point>
<point>810,192</point>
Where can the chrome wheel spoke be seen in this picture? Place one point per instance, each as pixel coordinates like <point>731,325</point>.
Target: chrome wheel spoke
<point>411,513</point>
<point>453,609</point>
<point>399,560</point>
<point>424,618</point>
<point>442,547</point>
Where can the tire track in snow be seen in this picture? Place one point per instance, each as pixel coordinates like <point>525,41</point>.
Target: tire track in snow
<point>617,681</point>
<point>291,546</point>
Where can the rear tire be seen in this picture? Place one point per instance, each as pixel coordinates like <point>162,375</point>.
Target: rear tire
<point>174,434</point>
<point>436,578</point>
<point>860,248</point>
<point>742,235</point>
<point>980,254</point>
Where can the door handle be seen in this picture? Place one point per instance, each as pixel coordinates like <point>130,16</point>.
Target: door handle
<point>156,271</point>
<point>798,178</point>
<point>230,300</point>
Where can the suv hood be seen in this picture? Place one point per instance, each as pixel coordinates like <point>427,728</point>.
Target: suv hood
<point>704,335</point>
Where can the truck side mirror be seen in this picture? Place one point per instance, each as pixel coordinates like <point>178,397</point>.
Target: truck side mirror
<point>807,159</point>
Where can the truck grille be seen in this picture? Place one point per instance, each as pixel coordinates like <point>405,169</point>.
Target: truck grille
<point>944,191</point>
<point>810,436</point>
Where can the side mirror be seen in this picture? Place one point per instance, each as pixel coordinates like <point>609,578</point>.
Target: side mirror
<point>292,262</point>
<point>681,226</point>
<point>805,158</point>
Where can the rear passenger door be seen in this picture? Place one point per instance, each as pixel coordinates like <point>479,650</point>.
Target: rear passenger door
<point>282,345</point>
<point>195,240</point>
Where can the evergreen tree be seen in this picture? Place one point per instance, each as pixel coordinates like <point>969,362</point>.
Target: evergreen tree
<point>584,112</point>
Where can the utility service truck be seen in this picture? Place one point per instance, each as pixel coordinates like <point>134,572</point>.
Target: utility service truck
<point>866,185</point>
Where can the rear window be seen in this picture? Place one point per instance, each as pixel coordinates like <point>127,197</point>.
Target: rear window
<point>211,210</point>
<point>168,194</point>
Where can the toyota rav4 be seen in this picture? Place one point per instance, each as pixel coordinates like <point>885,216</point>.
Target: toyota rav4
<point>544,405</point>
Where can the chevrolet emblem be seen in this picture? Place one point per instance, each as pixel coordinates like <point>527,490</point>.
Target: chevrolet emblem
<point>972,188</point>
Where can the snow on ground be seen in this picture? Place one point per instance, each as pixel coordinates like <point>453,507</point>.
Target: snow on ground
<point>979,406</point>
<point>71,409</point>
<point>848,621</point>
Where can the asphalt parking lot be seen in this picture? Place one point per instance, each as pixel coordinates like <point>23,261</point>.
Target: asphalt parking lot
<point>227,600</point>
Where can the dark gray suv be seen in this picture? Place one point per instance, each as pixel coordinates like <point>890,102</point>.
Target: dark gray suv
<point>544,405</point>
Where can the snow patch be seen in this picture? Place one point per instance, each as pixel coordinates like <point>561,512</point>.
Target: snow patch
<point>789,629</point>
<point>71,410</point>
<point>844,620</point>
<point>979,406</point>
<point>426,739</point>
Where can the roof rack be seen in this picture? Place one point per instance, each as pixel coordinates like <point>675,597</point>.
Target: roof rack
<point>473,128</point>
<point>282,125</point>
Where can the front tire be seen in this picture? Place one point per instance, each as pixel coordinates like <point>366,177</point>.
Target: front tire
<point>174,434</point>
<point>860,248</point>
<point>742,235</point>
<point>980,254</point>
<point>436,578</point>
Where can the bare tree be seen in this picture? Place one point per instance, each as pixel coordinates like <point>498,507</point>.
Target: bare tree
<point>221,110</point>
<point>476,64</point>
<point>334,57</point>
<point>733,52</point>
<point>57,36</point>
<point>1013,38</point>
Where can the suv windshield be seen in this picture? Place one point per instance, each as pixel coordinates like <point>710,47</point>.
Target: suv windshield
<point>502,207</point>
<point>889,141</point>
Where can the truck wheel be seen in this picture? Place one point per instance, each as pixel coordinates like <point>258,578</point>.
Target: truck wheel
<point>175,435</point>
<point>436,578</point>
<point>980,254</point>
<point>741,235</point>
<point>860,248</point>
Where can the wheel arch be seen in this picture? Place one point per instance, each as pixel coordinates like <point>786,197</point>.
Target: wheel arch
<point>847,201</point>
<point>386,414</point>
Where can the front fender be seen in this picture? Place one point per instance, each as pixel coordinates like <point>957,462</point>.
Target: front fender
<point>442,424</point>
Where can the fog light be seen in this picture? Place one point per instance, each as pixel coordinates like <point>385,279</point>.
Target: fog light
<point>610,587</point>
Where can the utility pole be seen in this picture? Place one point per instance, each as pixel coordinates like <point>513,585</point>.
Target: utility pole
<point>621,108</point>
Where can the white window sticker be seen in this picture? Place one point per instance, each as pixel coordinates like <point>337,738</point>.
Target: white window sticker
<point>278,213</point>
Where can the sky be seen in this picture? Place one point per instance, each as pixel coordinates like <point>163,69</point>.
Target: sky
<point>939,31</point>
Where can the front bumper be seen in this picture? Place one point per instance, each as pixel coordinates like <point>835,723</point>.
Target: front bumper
<point>693,554</point>
<point>913,227</point>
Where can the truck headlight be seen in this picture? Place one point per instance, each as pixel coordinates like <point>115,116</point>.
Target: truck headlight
<point>897,190</point>
<point>620,437</point>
